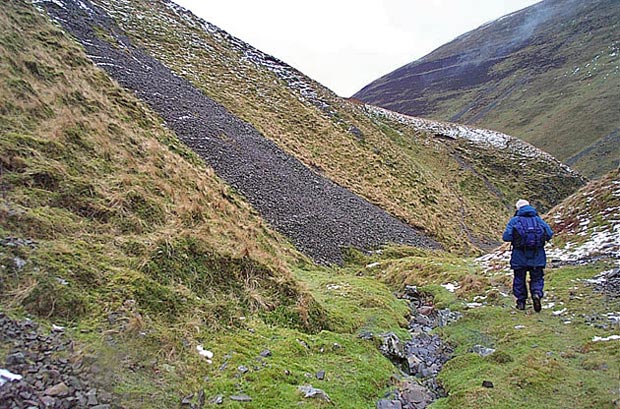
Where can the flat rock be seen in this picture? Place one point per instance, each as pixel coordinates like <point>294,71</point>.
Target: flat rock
<point>60,389</point>
<point>310,392</point>
<point>241,398</point>
<point>389,404</point>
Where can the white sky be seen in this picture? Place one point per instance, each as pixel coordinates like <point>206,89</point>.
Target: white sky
<point>346,44</point>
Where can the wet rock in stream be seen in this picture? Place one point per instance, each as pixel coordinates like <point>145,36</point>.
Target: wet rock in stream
<point>420,358</point>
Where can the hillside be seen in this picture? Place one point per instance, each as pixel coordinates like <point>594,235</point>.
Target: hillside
<point>586,225</point>
<point>410,175</point>
<point>96,194</point>
<point>547,74</point>
<point>135,273</point>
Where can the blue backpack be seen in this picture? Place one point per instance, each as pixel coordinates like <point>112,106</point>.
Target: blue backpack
<point>530,233</point>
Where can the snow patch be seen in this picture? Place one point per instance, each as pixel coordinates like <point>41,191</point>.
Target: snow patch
<point>59,3</point>
<point>204,353</point>
<point>559,312</point>
<point>609,338</point>
<point>452,287</point>
<point>6,376</point>
<point>485,137</point>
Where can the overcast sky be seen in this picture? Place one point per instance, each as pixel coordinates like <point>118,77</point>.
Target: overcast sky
<point>346,44</point>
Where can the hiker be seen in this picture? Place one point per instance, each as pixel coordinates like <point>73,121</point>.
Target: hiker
<point>528,233</point>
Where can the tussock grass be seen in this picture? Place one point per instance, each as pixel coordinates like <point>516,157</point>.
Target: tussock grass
<point>541,360</point>
<point>143,253</point>
<point>89,173</point>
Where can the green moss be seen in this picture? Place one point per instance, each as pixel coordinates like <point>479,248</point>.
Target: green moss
<point>52,299</point>
<point>148,210</point>
<point>40,70</point>
<point>537,354</point>
<point>20,88</point>
<point>158,300</point>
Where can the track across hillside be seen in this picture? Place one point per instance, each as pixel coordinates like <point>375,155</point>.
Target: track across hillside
<point>319,216</point>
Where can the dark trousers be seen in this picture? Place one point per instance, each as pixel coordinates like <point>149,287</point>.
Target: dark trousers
<point>537,282</point>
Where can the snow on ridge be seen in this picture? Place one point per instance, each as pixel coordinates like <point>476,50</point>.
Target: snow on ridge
<point>296,80</point>
<point>59,3</point>
<point>599,226</point>
<point>480,136</point>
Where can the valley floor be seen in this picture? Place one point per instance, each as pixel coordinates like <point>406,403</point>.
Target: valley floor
<point>567,355</point>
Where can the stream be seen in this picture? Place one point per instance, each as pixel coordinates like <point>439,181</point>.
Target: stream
<point>419,359</point>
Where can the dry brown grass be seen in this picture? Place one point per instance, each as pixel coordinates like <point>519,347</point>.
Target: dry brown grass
<point>16,296</point>
<point>103,149</point>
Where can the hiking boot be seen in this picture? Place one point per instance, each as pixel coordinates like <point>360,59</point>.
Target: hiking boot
<point>536,302</point>
<point>521,305</point>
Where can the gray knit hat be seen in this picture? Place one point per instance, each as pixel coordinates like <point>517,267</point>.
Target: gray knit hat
<point>521,203</point>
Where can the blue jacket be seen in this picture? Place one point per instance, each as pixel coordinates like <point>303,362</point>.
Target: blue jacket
<point>523,258</point>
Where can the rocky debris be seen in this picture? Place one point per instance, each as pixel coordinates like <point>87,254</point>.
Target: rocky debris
<point>415,395</point>
<point>217,400</point>
<point>602,321</point>
<point>12,253</point>
<point>310,392</point>
<point>607,283</point>
<point>196,401</point>
<point>482,350</point>
<point>241,398</point>
<point>7,376</point>
<point>17,242</point>
<point>420,358</point>
<point>319,216</point>
<point>487,384</point>
<point>51,374</point>
<point>389,404</point>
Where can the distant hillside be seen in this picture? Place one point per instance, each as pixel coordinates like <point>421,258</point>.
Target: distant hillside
<point>548,74</point>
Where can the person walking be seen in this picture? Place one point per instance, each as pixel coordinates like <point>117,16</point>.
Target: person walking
<point>528,234</point>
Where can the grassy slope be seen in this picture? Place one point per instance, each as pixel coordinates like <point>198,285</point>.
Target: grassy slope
<point>588,211</point>
<point>541,360</point>
<point>126,220</point>
<point>552,361</point>
<point>407,173</point>
<point>91,175</point>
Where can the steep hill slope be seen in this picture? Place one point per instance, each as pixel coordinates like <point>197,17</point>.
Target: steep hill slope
<point>101,204</point>
<point>120,250</point>
<point>409,174</point>
<point>588,222</point>
<point>319,216</point>
<point>547,74</point>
